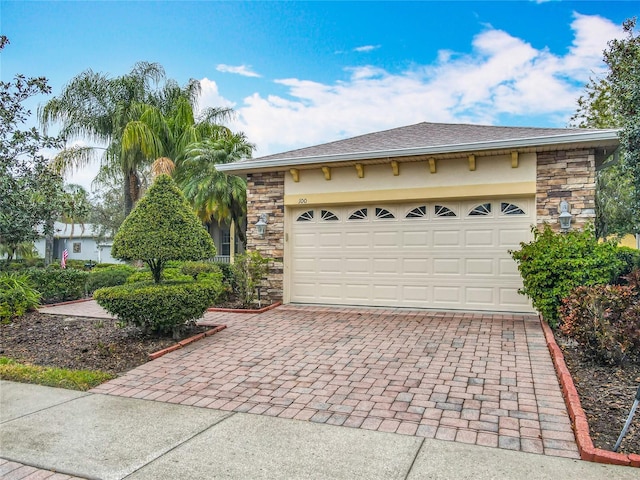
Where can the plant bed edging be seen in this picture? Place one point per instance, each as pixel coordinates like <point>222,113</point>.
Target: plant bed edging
<point>578,418</point>
<point>68,302</point>
<point>244,310</point>
<point>185,342</point>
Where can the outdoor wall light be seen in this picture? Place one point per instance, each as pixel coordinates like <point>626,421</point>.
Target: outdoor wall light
<point>261,225</point>
<point>565,216</point>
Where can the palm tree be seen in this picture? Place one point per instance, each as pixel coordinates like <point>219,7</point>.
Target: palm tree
<point>97,108</point>
<point>214,194</point>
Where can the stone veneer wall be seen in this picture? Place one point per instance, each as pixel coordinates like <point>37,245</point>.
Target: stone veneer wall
<point>265,194</point>
<point>566,175</point>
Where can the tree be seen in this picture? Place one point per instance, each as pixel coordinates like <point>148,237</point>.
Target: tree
<point>30,192</point>
<point>107,212</point>
<point>214,194</point>
<point>162,227</point>
<point>97,108</point>
<point>613,101</point>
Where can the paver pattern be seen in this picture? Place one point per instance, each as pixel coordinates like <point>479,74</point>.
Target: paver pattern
<point>475,378</point>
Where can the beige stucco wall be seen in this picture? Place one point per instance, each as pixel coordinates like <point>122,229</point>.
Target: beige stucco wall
<point>493,176</point>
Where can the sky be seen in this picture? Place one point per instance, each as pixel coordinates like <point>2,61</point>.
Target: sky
<point>304,73</point>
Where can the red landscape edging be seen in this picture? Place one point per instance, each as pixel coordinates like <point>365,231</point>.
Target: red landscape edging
<point>185,342</point>
<point>576,413</point>
<point>243,310</point>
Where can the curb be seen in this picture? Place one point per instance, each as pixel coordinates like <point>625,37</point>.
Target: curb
<point>185,342</point>
<point>578,418</point>
<point>242,310</point>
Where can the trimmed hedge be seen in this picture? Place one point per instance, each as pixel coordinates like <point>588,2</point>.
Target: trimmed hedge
<point>159,308</point>
<point>17,295</point>
<point>58,285</point>
<point>110,276</point>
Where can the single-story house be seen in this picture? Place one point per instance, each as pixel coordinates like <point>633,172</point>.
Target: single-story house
<point>80,241</point>
<point>417,216</point>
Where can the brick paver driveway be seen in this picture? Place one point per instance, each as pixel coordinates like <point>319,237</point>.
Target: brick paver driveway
<point>468,377</point>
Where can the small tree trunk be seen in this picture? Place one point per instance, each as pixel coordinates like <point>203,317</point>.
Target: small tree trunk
<point>48,244</point>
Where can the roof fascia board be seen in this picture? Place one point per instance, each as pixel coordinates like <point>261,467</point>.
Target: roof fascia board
<point>587,137</point>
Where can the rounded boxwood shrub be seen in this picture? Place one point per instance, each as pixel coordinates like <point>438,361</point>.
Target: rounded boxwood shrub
<point>109,277</point>
<point>553,264</point>
<point>59,285</point>
<point>167,275</point>
<point>159,308</point>
<point>17,295</point>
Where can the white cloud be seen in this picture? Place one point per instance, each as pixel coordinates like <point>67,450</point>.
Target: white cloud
<point>366,48</point>
<point>243,70</point>
<point>210,96</point>
<point>502,75</point>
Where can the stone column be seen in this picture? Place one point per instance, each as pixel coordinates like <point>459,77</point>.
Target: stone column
<point>566,175</point>
<point>265,194</point>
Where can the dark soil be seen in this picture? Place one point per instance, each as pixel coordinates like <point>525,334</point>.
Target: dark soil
<point>606,395</point>
<point>81,343</point>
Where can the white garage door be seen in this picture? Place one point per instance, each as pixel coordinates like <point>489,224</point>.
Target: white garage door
<point>451,255</point>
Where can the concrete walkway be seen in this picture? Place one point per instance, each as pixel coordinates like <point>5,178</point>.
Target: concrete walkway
<point>90,435</point>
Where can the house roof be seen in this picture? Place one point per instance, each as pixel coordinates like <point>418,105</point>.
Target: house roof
<point>426,139</point>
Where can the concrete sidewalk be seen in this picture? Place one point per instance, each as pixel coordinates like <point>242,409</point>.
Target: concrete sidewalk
<point>101,436</point>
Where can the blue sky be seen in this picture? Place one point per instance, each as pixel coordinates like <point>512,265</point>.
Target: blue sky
<point>302,73</point>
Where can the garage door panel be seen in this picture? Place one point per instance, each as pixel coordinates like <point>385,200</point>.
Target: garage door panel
<point>477,237</point>
<point>356,239</point>
<point>479,266</point>
<point>446,238</point>
<point>453,262</point>
<point>446,266</point>
<point>480,296</point>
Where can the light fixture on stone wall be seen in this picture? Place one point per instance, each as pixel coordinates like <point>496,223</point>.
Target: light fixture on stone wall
<point>564,217</point>
<point>261,225</point>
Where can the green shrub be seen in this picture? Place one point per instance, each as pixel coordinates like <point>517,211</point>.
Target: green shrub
<point>555,263</point>
<point>109,277</point>
<point>228,276</point>
<point>168,275</point>
<point>605,321</point>
<point>17,295</point>
<point>21,264</point>
<point>58,285</point>
<point>630,258</point>
<point>194,269</point>
<point>160,308</point>
<point>248,271</point>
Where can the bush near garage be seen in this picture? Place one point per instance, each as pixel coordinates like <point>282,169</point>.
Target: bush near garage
<point>58,285</point>
<point>553,264</point>
<point>605,320</point>
<point>630,258</point>
<point>17,295</point>
<point>110,276</point>
<point>248,270</point>
<point>160,308</point>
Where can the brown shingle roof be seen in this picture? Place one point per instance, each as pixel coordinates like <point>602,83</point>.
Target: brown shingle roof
<point>420,135</point>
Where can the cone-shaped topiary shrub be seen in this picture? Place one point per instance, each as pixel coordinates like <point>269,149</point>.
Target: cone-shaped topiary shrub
<point>162,227</point>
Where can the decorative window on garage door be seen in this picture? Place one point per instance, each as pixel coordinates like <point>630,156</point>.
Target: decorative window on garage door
<point>418,212</point>
<point>328,216</point>
<point>359,214</point>
<point>384,213</point>
<point>511,209</point>
<point>442,211</point>
<point>305,217</point>
<point>480,210</point>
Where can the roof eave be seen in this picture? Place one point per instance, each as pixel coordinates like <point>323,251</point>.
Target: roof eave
<point>281,163</point>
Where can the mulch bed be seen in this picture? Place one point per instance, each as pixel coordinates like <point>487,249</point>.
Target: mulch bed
<point>606,395</point>
<point>81,343</point>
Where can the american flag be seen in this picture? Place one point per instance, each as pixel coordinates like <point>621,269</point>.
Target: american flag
<point>63,262</point>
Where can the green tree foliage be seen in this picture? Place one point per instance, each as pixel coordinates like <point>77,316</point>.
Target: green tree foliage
<point>161,228</point>
<point>107,211</point>
<point>555,263</point>
<point>613,101</point>
<point>249,270</point>
<point>214,194</point>
<point>30,192</point>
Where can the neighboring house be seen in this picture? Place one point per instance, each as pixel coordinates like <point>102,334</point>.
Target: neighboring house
<point>80,241</point>
<point>418,216</point>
